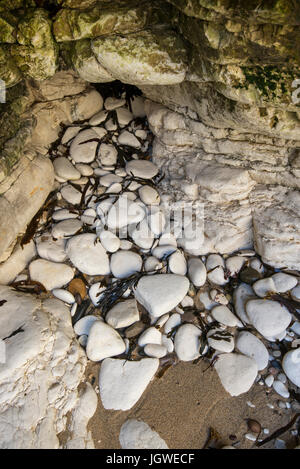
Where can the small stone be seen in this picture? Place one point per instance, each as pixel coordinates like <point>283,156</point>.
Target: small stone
<point>88,255</point>
<point>83,147</point>
<point>112,103</point>
<point>50,274</point>
<point>109,241</point>
<point>160,293</point>
<point>63,295</point>
<point>98,118</point>
<point>142,169</point>
<point>234,264</point>
<point>69,134</point>
<point>84,169</point>
<point>250,345</point>
<point>197,272</point>
<point>156,221</point>
<point>150,336</point>
<point>123,314</point>
<point>95,293</point>
<point>187,342</point>
<point>281,389</point>
<point>71,195</point>
<point>50,249</point>
<point>161,252</point>
<point>269,380</point>
<point>123,213</point>
<point>127,138</point>
<point>64,168</point>
<point>152,264</point>
<point>291,366</point>
<point>142,235</point>
<point>241,295</point>
<point>295,294</point>
<point>237,372</point>
<point>103,342</point>
<point>264,286</point>
<point>284,282</point>
<point>123,382</point>
<point>63,214</point>
<point>125,263</point>
<point>268,317</point>
<point>177,263</point>
<point>124,116</point>
<point>149,195</point>
<point>172,322</point>
<point>109,179</point>
<point>83,326</point>
<point>77,286</point>
<point>66,228</point>
<point>108,154</point>
<point>223,315</point>
<point>216,338</point>
<point>135,329</point>
<point>155,350</point>
<point>135,434</point>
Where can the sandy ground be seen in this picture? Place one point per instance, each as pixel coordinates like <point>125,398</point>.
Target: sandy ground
<point>182,406</point>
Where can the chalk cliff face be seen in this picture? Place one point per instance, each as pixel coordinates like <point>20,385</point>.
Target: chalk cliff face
<point>223,75</point>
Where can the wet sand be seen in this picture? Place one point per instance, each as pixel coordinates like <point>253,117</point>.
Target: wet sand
<point>184,404</point>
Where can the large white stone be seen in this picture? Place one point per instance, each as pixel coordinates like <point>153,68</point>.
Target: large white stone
<point>187,343</point>
<point>107,154</point>
<point>177,263</point>
<point>268,317</point>
<point>150,336</point>
<point>85,152</point>
<point>50,274</point>
<point>88,255</point>
<point>250,345</point>
<point>142,235</point>
<point>83,326</point>
<point>264,286</point>
<point>284,282</point>
<point>123,314</point>
<point>125,263</point>
<point>127,138</point>
<point>291,366</point>
<point>135,434</point>
<point>223,315</point>
<point>124,116</point>
<point>123,382</point>
<point>71,195</point>
<point>216,340</point>
<point>50,249</point>
<point>103,342</point>
<point>123,213</point>
<point>109,241</point>
<point>237,372</point>
<point>160,293</point>
<point>241,295</point>
<point>66,228</point>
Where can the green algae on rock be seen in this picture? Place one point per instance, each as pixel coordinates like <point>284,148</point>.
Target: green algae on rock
<point>7,27</point>
<point>86,64</point>
<point>9,72</point>
<point>143,58</point>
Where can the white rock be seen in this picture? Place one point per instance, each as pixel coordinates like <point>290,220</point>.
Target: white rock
<point>157,221</point>
<point>125,263</point>
<point>291,366</point>
<point>223,315</point>
<point>219,343</point>
<point>64,295</point>
<point>173,321</point>
<point>63,214</point>
<point>123,382</point>
<point>88,255</point>
<point>268,317</point>
<point>160,293</point>
<point>82,152</point>
<point>70,133</point>
<point>234,264</point>
<point>241,295</point>
<point>281,389</point>
<point>50,249</point>
<point>142,235</point>
<point>138,106</point>
<point>125,244</point>
<point>110,125</point>
<point>155,350</point>
<point>112,103</point>
<point>284,282</point>
<point>64,168</point>
<point>163,251</point>
<point>124,116</point>
<point>177,263</point>
<point>71,195</point>
<point>296,327</point>
<point>50,274</point>
<point>257,265</point>
<point>150,336</point>
<point>250,345</point>
<point>264,286</point>
<point>123,314</point>
<point>168,343</point>
<point>141,168</point>
<point>197,272</point>
<point>167,239</point>
<point>17,261</point>
<point>187,302</point>
<point>66,228</point>
<point>95,292</point>
<point>215,269</point>
<point>207,302</point>
<point>109,241</point>
<point>103,342</point>
<point>84,169</point>
<point>152,264</point>
<point>214,260</point>
<point>135,434</point>
<point>237,372</point>
<point>123,213</point>
<point>109,179</point>
<point>107,154</point>
<point>127,138</point>
<point>295,293</point>
<point>83,326</point>
<point>98,118</point>
<point>149,195</point>
<point>187,343</point>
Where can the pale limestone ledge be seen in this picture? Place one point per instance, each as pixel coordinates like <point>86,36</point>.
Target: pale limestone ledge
<point>39,380</point>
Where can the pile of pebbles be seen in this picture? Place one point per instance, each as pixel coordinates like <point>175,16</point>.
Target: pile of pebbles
<point>136,298</point>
